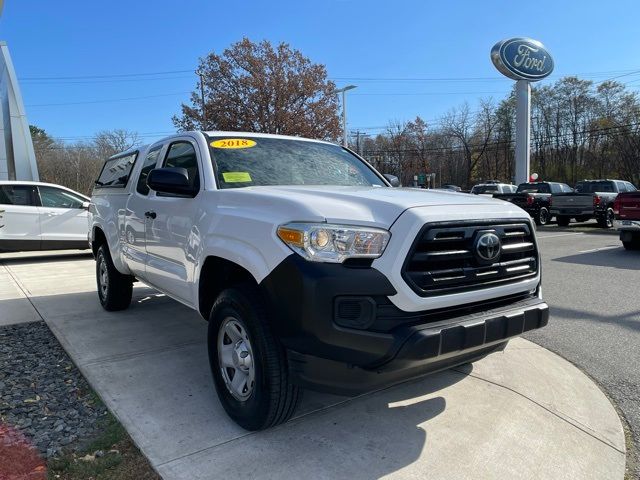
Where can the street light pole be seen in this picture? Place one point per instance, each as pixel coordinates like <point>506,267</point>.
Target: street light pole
<point>344,111</point>
<point>204,111</point>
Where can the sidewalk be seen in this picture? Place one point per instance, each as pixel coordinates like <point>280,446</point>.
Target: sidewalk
<point>524,413</point>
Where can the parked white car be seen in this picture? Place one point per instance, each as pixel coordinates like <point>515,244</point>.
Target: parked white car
<point>42,216</point>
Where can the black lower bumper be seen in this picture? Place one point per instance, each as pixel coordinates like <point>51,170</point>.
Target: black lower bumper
<point>393,345</point>
<point>428,348</point>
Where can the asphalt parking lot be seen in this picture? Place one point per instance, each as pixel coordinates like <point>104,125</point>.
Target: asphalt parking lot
<point>593,288</point>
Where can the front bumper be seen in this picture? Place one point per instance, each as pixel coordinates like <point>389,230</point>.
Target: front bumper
<point>422,349</point>
<point>630,225</point>
<point>393,345</point>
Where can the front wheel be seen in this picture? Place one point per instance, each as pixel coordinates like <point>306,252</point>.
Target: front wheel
<point>248,363</point>
<point>114,288</point>
<point>563,220</point>
<point>542,217</point>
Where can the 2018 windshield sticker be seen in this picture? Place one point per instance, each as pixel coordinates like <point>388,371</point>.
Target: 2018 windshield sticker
<point>236,177</point>
<point>233,143</point>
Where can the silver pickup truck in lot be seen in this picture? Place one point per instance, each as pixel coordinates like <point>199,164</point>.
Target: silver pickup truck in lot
<point>312,270</point>
<point>591,199</point>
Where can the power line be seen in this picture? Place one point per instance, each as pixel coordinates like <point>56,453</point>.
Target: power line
<point>499,142</point>
<point>106,100</point>
<point>116,75</point>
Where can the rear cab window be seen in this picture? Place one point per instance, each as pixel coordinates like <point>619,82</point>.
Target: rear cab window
<point>116,171</point>
<point>593,187</point>
<point>533,188</point>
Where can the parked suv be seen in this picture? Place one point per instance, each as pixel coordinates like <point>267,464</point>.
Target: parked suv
<point>591,199</point>
<point>312,271</point>
<point>41,216</point>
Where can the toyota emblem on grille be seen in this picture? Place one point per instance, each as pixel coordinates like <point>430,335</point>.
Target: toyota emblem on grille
<point>488,247</point>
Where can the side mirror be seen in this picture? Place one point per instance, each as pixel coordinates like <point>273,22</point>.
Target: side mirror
<point>172,180</point>
<point>392,179</point>
<point>85,205</point>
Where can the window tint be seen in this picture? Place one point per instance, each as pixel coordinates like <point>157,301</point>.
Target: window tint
<point>249,161</point>
<point>533,188</point>
<point>555,188</point>
<point>593,187</point>
<point>631,187</point>
<point>16,195</point>
<point>478,189</point>
<point>149,164</point>
<point>566,188</point>
<point>183,155</point>
<point>621,187</point>
<point>56,198</point>
<point>115,172</point>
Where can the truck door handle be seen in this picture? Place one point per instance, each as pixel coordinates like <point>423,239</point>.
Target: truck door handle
<point>150,214</point>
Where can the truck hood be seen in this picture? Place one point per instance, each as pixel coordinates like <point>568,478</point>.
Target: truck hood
<point>374,206</point>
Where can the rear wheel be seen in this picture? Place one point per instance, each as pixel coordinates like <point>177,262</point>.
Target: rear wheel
<point>114,288</point>
<point>606,220</point>
<point>563,220</point>
<point>633,243</point>
<point>542,217</point>
<point>248,363</point>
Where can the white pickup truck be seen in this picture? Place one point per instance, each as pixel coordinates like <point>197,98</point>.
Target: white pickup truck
<point>312,270</point>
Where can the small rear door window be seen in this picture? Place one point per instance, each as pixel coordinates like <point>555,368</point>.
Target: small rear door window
<point>149,164</point>
<point>116,171</point>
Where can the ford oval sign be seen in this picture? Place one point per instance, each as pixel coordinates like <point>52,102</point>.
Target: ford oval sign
<point>522,59</point>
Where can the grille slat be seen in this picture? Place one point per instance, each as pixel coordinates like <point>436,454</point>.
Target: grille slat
<point>443,259</point>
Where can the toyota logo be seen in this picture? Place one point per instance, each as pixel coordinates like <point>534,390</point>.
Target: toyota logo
<point>488,247</point>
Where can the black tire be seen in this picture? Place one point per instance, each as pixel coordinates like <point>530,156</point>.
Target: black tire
<point>632,245</point>
<point>272,398</point>
<point>542,217</point>
<point>606,220</point>
<point>563,220</point>
<point>114,288</point>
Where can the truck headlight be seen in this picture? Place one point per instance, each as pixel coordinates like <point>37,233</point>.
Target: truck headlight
<point>322,242</point>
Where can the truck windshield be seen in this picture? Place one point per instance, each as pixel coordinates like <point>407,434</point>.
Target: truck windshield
<point>592,187</point>
<point>254,161</point>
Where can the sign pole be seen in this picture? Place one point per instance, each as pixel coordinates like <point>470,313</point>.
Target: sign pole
<point>523,130</point>
<point>524,60</point>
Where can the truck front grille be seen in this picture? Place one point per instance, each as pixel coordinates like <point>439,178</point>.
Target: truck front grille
<point>445,258</point>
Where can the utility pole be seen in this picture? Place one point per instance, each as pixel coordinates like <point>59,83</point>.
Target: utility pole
<point>205,120</point>
<point>359,134</point>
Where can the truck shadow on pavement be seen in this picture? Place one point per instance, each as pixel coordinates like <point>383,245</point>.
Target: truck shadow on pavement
<point>609,257</point>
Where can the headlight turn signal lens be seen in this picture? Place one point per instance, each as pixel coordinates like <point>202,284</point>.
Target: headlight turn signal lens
<point>320,242</point>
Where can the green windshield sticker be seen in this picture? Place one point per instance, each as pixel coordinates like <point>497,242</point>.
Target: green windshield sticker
<point>236,177</point>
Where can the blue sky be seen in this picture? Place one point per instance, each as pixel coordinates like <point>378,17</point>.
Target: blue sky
<point>56,45</point>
